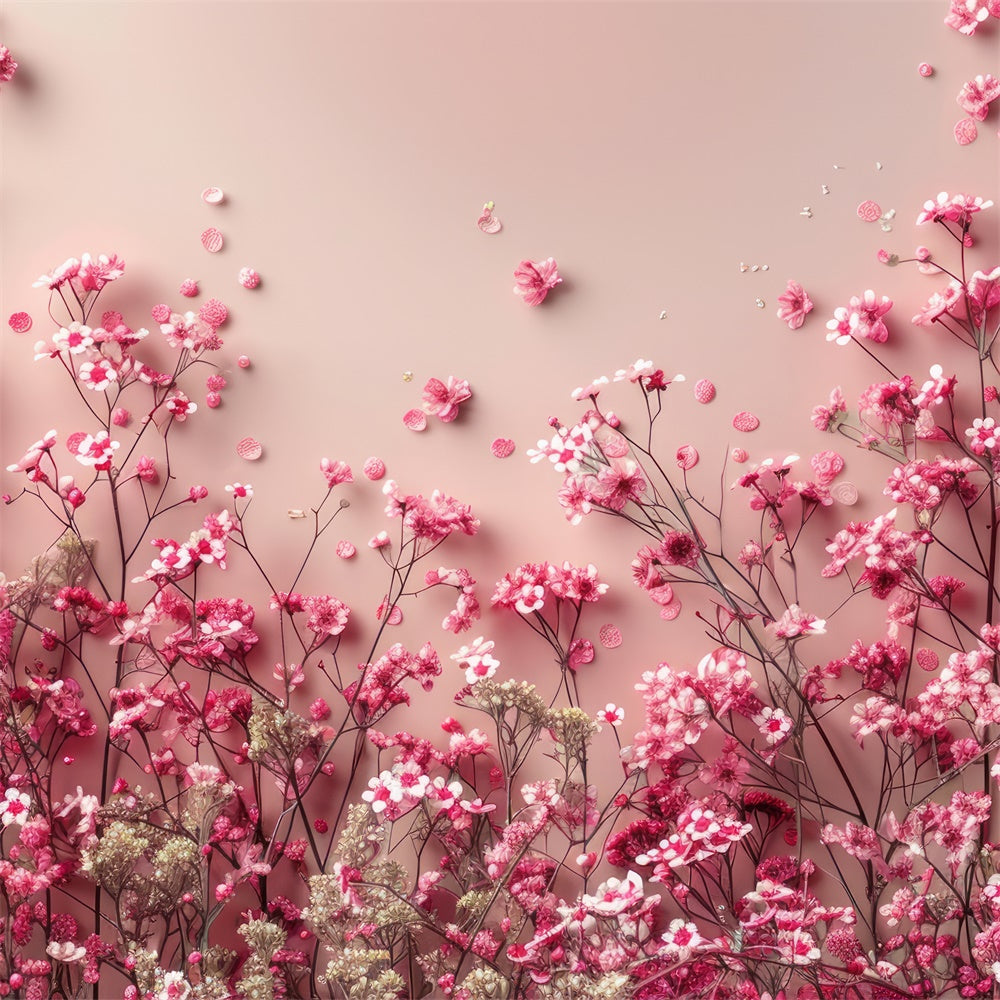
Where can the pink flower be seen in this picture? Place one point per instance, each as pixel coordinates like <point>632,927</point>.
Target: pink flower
<point>476,807</point>
<point>580,652</point>
<point>327,615</point>
<point>240,491</point>
<point>145,469</point>
<point>93,274</point>
<point>977,94</point>
<point>567,448</point>
<point>795,305</point>
<point>839,326</point>
<point>186,332</point>
<point>443,400</point>
<point>34,454</point>
<point>335,472</point>
<point>796,622</point>
<point>678,548</point>
<point>866,317</point>
<point>939,303</point>
<point>583,392</point>
<point>936,389</point>
<point>618,484</point>
<point>983,435</point>
<point>958,208</point>
<point>681,939</point>
<point>535,280</point>
<point>180,406</point>
<point>983,293</point>
<point>65,272</point>
<point>773,724</point>
<point>383,791</point>
<point>214,313</point>
<point>826,466</point>
<point>615,896</point>
<point>476,659</point>
<point>966,15</point>
<point>7,64</point>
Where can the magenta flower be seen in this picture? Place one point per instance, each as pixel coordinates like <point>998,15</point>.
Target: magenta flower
<point>535,279</point>
<point>795,305</point>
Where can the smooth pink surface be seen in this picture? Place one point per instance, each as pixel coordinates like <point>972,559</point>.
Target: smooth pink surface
<point>648,147</point>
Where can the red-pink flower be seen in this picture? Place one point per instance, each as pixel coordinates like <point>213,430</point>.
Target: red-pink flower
<point>535,279</point>
<point>795,305</point>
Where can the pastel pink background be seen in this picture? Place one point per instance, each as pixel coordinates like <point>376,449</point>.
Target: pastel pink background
<point>648,147</point>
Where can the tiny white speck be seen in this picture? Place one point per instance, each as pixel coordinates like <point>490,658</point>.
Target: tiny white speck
<point>824,189</point>
<point>759,303</point>
<point>807,212</point>
<point>756,267</point>
<point>878,165</point>
<point>836,167</point>
<point>764,267</point>
<point>663,315</point>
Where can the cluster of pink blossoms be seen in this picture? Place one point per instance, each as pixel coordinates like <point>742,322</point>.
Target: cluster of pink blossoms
<point>380,686</point>
<point>680,706</point>
<point>428,520</point>
<point>714,774</point>
<point>529,588</point>
<point>177,560</point>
